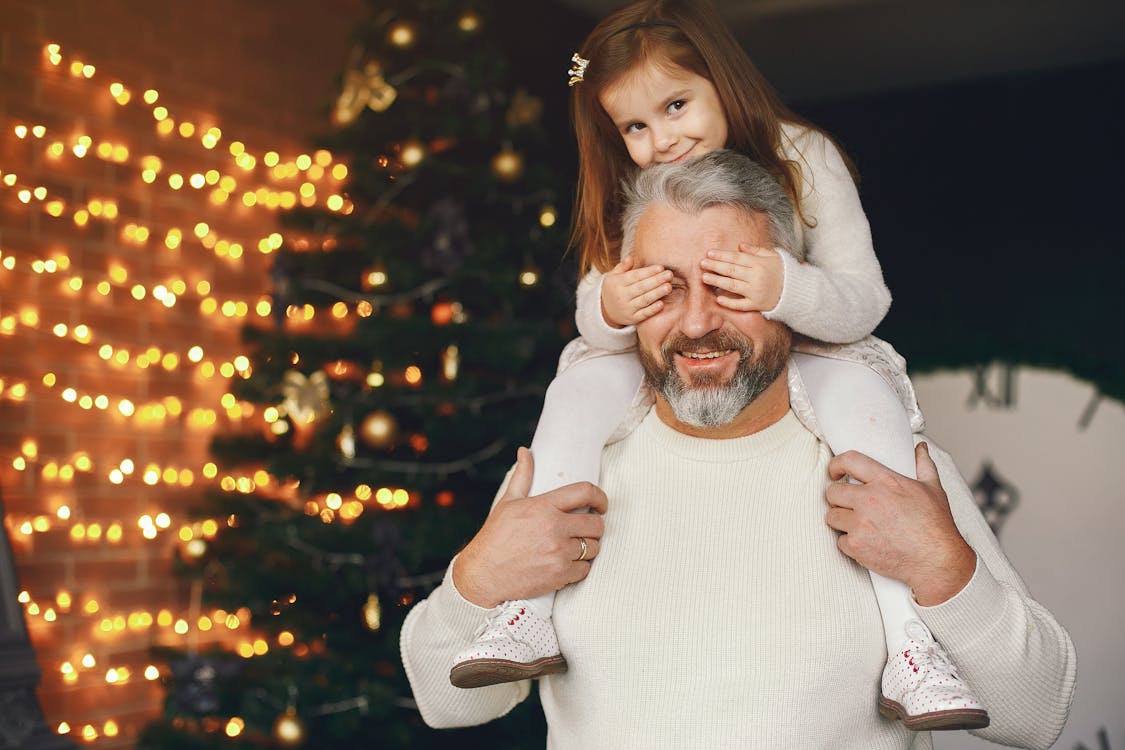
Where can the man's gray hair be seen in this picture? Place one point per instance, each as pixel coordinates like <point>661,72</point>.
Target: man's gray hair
<point>718,178</point>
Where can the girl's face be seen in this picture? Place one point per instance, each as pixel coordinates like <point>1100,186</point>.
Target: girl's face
<point>665,113</point>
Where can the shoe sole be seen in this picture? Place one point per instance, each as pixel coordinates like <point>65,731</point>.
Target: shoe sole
<point>956,718</point>
<point>483,672</point>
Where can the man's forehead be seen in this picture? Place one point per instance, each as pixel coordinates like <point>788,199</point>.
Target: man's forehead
<point>672,237</point>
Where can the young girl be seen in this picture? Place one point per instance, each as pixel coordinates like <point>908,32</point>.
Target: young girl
<point>664,80</point>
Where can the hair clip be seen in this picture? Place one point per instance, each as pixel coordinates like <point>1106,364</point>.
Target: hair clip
<point>578,72</point>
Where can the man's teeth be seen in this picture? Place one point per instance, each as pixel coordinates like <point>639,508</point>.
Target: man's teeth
<point>705,355</point>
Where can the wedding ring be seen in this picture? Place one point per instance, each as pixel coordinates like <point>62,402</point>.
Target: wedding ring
<point>582,549</point>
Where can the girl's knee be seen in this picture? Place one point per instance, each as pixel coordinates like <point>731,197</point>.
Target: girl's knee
<point>616,376</point>
<point>827,378</point>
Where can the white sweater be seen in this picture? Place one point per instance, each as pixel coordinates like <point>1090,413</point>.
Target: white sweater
<point>719,613</point>
<point>838,296</point>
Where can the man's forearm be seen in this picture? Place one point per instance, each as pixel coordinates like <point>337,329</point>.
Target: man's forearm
<point>948,575</point>
<point>1014,654</point>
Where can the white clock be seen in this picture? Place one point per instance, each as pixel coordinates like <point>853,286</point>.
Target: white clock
<point>1047,458</point>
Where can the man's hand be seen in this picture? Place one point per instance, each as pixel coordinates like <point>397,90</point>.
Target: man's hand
<point>899,527</point>
<point>530,546</point>
<point>631,295</point>
<point>752,278</point>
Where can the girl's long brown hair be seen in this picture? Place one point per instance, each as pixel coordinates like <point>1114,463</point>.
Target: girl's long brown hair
<point>689,34</point>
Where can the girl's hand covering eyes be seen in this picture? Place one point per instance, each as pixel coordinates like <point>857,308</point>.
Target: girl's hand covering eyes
<point>748,280</point>
<point>630,295</point>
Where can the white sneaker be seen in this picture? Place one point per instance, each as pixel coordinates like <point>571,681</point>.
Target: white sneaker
<point>513,644</point>
<point>921,687</point>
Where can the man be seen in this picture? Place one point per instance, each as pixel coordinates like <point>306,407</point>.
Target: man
<point>719,611</point>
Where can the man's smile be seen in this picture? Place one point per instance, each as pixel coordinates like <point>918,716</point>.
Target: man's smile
<point>706,365</point>
<point>704,355</point>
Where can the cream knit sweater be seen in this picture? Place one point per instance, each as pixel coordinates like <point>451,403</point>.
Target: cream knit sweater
<point>720,614</point>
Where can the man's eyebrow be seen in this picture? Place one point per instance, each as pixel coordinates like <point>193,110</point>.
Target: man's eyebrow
<point>640,261</point>
<point>677,272</point>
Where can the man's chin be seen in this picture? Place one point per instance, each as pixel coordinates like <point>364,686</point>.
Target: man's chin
<point>705,381</point>
<point>706,407</point>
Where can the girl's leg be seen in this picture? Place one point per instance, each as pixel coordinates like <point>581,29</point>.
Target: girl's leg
<point>582,408</point>
<point>858,411</point>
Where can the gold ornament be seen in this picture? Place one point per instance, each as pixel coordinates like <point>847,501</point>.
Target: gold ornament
<point>525,109</point>
<point>372,613</point>
<point>345,441</point>
<point>507,165</point>
<point>401,34</point>
<point>289,730</point>
<point>469,22</point>
<point>366,88</point>
<point>450,362</point>
<point>378,429</point>
<point>412,153</point>
<point>305,398</point>
<point>442,312</point>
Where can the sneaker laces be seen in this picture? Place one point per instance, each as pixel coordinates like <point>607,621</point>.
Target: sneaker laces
<point>928,656</point>
<point>502,615</point>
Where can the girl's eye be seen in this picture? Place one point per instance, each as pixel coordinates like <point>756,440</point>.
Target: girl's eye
<point>677,105</point>
<point>634,128</point>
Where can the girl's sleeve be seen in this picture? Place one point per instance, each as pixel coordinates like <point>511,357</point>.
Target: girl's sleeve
<point>838,295</point>
<point>1018,659</point>
<point>592,324</point>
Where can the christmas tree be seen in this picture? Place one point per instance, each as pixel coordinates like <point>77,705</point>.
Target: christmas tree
<point>416,324</point>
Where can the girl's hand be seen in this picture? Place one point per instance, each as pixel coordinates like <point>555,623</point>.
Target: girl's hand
<point>752,278</point>
<point>631,295</point>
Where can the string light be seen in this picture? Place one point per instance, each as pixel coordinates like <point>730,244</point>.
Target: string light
<point>244,181</point>
<point>547,216</point>
<point>208,137</point>
<point>67,516</point>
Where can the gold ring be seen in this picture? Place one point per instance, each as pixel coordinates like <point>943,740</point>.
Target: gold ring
<point>582,549</point>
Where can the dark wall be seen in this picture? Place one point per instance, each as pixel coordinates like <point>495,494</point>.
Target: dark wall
<point>995,208</point>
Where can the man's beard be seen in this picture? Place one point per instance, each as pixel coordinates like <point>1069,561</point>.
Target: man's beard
<point>707,401</point>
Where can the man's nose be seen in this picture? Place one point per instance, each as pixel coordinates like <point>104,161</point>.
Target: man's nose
<point>701,313</point>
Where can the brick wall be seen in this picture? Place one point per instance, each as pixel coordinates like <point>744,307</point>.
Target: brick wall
<point>263,72</point>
